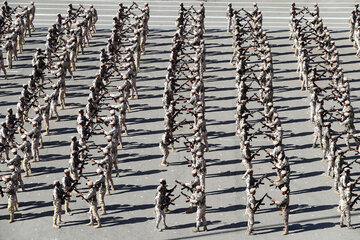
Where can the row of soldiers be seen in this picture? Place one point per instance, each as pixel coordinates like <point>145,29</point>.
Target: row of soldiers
<point>126,23</point>
<point>324,119</point>
<point>180,77</point>
<point>247,26</point>
<point>14,31</point>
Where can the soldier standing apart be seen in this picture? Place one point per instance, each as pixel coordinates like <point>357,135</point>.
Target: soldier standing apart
<point>229,15</point>
<point>11,193</point>
<point>32,16</point>
<point>199,199</point>
<point>2,65</point>
<point>159,208</point>
<point>58,197</point>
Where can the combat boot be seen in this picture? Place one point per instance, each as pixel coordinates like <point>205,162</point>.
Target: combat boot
<point>90,223</point>
<point>190,210</point>
<point>11,218</point>
<point>349,226</point>
<point>196,229</point>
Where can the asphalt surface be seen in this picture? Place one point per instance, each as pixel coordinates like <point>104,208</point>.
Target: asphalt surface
<point>130,207</point>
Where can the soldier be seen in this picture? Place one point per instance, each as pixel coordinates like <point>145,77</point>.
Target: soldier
<point>229,15</point>
<point>345,179</point>
<point>283,204</point>
<point>5,134</point>
<point>199,199</point>
<point>25,147</point>
<point>77,147</point>
<point>38,119</point>
<point>32,16</point>
<point>200,165</point>
<point>101,186</point>
<point>53,97</point>
<point>11,193</point>
<point>164,146</point>
<point>345,205</point>
<point>9,51</point>
<point>106,165</point>
<point>250,210</point>
<point>192,186</point>
<point>111,147</point>
<point>74,164</point>
<point>67,182</point>
<point>45,109</point>
<point>159,208</point>
<point>16,163</point>
<point>21,112</point>
<point>2,65</point>
<point>58,198</point>
<point>91,199</point>
<point>283,181</point>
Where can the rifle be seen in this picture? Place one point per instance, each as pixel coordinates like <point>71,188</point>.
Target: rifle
<point>260,181</point>
<point>187,196</point>
<point>188,143</point>
<point>255,153</point>
<point>272,203</point>
<point>179,125</point>
<point>179,111</point>
<point>348,165</point>
<point>354,202</point>
<point>271,184</point>
<point>188,160</point>
<point>184,187</point>
<point>81,195</point>
<point>259,202</point>
<point>272,159</point>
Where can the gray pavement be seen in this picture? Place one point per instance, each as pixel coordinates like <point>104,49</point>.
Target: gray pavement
<point>130,207</point>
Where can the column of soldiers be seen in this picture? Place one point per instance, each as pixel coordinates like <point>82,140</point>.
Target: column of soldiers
<point>29,99</point>
<point>309,35</point>
<point>185,73</point>
<point>14,31</point>
<point>249,40</point>
<point>122,57</point>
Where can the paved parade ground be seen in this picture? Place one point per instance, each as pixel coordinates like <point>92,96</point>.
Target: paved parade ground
<point>130,208</point>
